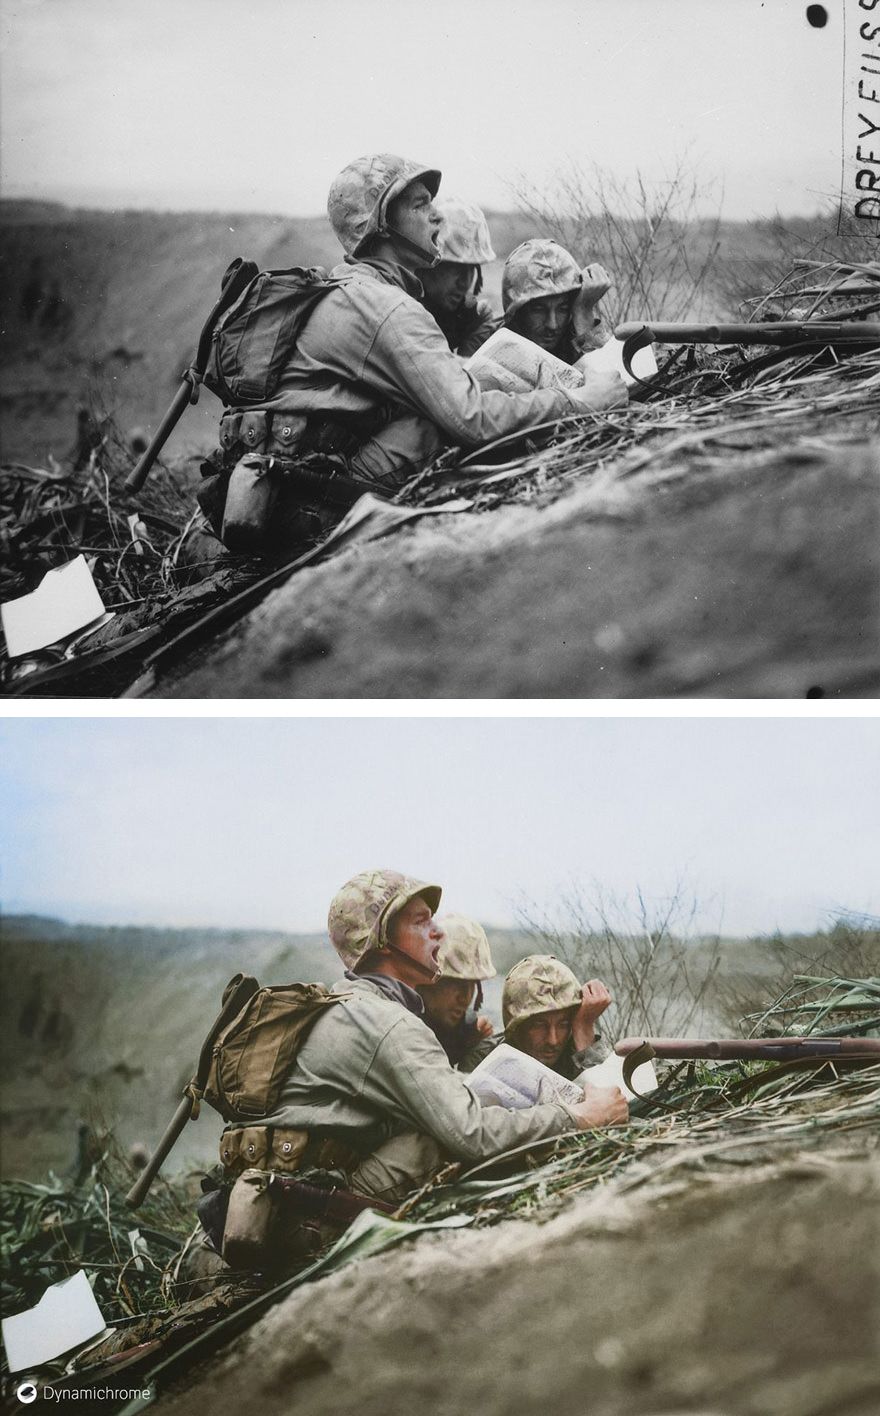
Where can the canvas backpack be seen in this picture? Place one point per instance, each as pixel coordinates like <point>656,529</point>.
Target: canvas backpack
<point>254,1052</point>
<point>253,341</point>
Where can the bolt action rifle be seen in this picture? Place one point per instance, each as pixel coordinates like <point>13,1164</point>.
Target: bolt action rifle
<point>802,335</point>
<point>797,1051</point>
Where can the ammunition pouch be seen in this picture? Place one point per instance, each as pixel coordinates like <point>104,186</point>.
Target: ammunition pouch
<point>283,1150</point>
<point>279,478</point>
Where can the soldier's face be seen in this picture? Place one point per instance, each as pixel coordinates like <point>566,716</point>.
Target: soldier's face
<point>447,284</point>
<point>447,1000</point>
<point>414,215</point>
<point>416,938</point>
<point>545,321</point>
<point>545,1035</point>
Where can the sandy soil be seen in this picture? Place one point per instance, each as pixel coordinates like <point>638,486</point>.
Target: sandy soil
<point>754,1295</point>
<point>761,580</point>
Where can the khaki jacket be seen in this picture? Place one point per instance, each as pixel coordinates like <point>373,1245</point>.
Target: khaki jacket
<point>370,342</point>
<point>370,1069</point>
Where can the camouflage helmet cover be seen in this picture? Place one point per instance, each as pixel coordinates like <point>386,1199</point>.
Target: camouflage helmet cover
<point>363,909</point>
<point>536,269</point>
<point>539,984</point>
<point>464,236</point>
<point>361,193</point>
<point>464,951</point>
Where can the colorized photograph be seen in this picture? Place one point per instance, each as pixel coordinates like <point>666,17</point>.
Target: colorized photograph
<point>524,1064</point>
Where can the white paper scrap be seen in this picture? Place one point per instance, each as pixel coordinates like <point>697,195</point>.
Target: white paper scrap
<point>610,356</point>
<point>610,1074</point>
<point>65,1317</point>
<point>66,600</point>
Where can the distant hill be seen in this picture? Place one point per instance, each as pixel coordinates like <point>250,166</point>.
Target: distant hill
<point>105,1024</point>
<point>102,309</point>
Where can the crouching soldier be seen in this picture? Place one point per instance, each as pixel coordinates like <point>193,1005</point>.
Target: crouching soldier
<point>550,1016</point>
<point>365,378</point>
<point>371,1096</point>
<point>548,298</point>
<point>453,285</point>
<point>465,962</point>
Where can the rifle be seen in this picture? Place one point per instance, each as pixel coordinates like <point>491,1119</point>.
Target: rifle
<point>238,276</point>
<point>800,334</point>
<point>237,992</point>
<point>801,1051</point>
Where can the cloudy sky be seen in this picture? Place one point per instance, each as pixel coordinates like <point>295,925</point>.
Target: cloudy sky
<point>256,822</point>
<point>216,103</point>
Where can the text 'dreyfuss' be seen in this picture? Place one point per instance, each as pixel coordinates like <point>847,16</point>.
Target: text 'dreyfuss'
<point>860,167</point>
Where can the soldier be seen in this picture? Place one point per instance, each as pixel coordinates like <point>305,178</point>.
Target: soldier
<point>465,963</point>
<point>453,285</point>
<point>549,1016</point>
<point>548,298</point>
<point>371,377</point>
<point>373,1081</point>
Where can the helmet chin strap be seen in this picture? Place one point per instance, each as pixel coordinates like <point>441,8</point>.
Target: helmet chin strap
<point>431,973</point>
<point>430,257</point>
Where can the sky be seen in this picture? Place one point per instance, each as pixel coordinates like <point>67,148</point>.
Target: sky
<point>255,823</point>
<point>201,104</point>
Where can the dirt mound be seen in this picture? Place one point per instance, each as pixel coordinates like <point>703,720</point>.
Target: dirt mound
<point>758,1295</point>
<point>755,578</point>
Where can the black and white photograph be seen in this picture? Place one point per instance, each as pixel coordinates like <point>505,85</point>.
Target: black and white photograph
<point>519,349</point>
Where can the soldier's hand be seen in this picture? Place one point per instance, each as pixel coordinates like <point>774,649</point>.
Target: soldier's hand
<point>484,1027</point>
<point>595,282</point>
<point>602,388</point>
<point>595,998</point>
<point>587,325</point>
<point>601,1106</point>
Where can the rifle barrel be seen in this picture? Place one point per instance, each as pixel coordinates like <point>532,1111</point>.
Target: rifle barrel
<point>771,332</point>
<point>779,1049</point>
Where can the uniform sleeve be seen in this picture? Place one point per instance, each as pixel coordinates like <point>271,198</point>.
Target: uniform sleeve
<point>411,1076</point>
<point>475,1054</point>
<point>410,360</point>
<point>485,322</point>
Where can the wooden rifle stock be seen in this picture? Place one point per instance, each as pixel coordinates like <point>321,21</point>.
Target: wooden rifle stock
<point>237,992</point>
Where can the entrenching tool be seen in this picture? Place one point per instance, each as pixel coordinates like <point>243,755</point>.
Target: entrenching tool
<point>237,278</point>
<point>238,991</point>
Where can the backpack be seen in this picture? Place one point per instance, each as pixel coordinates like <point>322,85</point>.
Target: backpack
<point>252,342</point>
<point>253,1053</point>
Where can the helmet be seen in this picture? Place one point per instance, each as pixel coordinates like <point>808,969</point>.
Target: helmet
<point>539,984</point>
<point>365,906</point>
<point>537,268</point>
<point>464,236</point>
<point>464,952</point>
<point>361,193</point>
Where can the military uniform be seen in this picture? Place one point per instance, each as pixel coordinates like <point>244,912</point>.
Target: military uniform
<point>372,1077</point>
<point>468,327</point>
<point>371,1073</point>
<point>371,345</point>
<point>539,984</point>
<point>539,269</point>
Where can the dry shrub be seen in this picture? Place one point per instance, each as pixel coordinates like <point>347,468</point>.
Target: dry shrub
<point>649,235</point>
<point>659,970</point>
